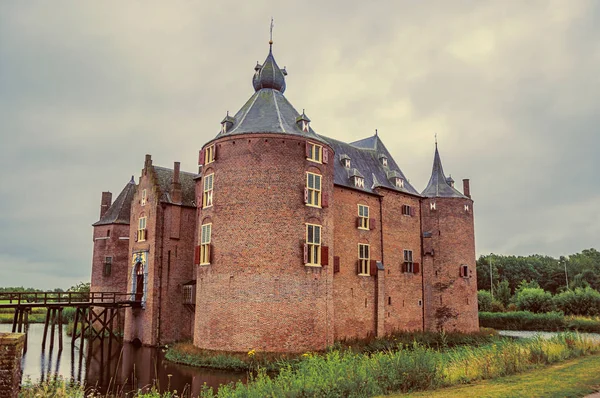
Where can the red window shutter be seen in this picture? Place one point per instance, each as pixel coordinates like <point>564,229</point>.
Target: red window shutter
<point>201,157</point>
<point>461,271</point>
<point>215,152</point>
<point>324,255</point>
<point>403,267</point>
<point>197,255</point>
<point>135,236</point>
<point>305,195</point>
<point>373,267</point>
<point>412,211</point>
<point>307,149</point>
<point>358,267</point>
<point>357,222</point>
<point>210,253</point>
<point>371,223</point>
<point>305,247</point>
<point>324,199</point>
<point>336,264</point>
<point>325,156</point>
<point>416,268</point>
<point>146,236</point>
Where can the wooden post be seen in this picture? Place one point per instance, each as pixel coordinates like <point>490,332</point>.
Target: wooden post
<point>15,320</point>
<point>60,334</point>
<point>74,335</point>
<point>26,329</point>
<point>46,327</point>
<point>53,316</point>
<point>20,321</point>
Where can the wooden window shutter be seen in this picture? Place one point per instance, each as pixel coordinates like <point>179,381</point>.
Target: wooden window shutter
<point>201,157</point>
<point>412,211</point>
<point>135,236</point>
<point>307,149</point>
<point>210,253</point>
<point>324,199</point>
<point>357,222</point>
<point>336,264</point>
<point>324,255</point>
<point>462,272</point>
<point>325,156</point>
<point>146,236</point>
<point>416,268</point>
<point>305,195</point>
<point>403,267</point>
<point>197,255</point>
<point>358,267</point>
<point>305,248</point>
<point>371,224</point>
<point>215,152</point>
<point>373,267</point>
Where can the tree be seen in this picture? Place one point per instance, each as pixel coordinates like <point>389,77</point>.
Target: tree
<point>534,299</point>
<point>502,293</point>
<point>81,287</point>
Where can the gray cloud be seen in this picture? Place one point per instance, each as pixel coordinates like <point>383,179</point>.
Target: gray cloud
<point>86,89</point>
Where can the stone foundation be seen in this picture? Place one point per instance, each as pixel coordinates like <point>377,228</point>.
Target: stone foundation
<point>11,350</point>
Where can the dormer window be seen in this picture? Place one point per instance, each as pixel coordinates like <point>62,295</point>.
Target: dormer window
<point>345,159</point>
<point>223,128</point>
<point>432,206</point>
<point>359,182</point>
<point>347,163</point>
<point>467,208</point>
<point>384,161</point>
<point>305,126</point>
<point>227,123</point>
<point>399,183</point>
<point>303,122</point>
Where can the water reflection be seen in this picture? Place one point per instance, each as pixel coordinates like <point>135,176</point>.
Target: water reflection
<point>112,366</point>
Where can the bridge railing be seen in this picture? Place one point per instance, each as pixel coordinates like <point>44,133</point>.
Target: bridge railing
<point>45,298</point>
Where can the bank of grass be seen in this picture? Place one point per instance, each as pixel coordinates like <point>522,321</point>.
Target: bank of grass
<point>37,315</point>
<point>551,321</point>
<point>405,369</point>
<point>573,378</point>
<point>186,353</point>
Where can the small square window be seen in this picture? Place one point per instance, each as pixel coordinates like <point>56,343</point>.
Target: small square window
<point>209,156</point>
<point>406,210</point>
<point>347,163</point>
<point>315,152</point>
<point>432,206</point>
<point>467,208</point>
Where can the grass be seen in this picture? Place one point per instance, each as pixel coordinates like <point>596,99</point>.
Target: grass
<point>551,321</point>
<point>574,378</point>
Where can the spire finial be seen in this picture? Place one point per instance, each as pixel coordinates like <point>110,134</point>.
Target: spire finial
<point>271,33</point>
<point>435,140</point>
<point>376,133</point>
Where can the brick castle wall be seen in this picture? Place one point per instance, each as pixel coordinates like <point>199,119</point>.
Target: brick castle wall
<point>452,243</point>
<point>257,292</point>
<point>11,350</point>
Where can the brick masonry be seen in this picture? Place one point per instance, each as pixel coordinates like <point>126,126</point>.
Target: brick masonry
<point>11,351</point>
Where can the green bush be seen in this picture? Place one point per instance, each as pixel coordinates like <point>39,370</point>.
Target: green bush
<point>484,300</point>
<point>551,322</point>
<point>534,300</point>
<point>497,306</point>
<point>503,294</point>
<point>581,301</point>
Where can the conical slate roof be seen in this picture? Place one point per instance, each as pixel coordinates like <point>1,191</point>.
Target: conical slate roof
<point>268,111</point>
<point>118,212</point>
<point>438,184</point>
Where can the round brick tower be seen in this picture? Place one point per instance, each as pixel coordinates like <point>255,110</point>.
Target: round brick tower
<point>265,228</point>
<point>450,295</point>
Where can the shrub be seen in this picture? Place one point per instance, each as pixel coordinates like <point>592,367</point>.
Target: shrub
<point>581,301</point>
<point>484,300</point>
<point>534,300</point>
<point>511,307</point>
<point>503,293</point>
<point>552,321</point>
<point>497,306</point>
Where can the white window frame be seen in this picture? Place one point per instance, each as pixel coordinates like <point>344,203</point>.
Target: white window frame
<point>364,258</point>
<point>313,242</point>
<point>363,215</point>
<point>205,240</point>
<point>142,229</point>
<point>207,190</point>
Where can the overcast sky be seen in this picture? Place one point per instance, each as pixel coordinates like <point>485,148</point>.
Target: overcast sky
<point>88,88</point>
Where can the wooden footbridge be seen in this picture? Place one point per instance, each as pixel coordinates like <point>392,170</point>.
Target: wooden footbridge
<point>96,313</point>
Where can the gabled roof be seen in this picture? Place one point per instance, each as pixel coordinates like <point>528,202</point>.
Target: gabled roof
<point>118,212</point>
<point>438,184</point>
<point>364,157</point>
<point>188,185</point>
<point>267,110</point>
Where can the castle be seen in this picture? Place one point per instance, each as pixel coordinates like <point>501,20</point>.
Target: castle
<point>286,240</point>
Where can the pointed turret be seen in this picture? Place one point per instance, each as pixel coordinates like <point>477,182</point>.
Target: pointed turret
<point>438,185</point>
<point>269,75</point>
<point>118,212</point>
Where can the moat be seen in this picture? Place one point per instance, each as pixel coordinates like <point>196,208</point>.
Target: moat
<point>125,368</point>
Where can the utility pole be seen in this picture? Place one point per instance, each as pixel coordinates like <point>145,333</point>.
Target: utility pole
<point>566,275</point>
<point>491,279</point>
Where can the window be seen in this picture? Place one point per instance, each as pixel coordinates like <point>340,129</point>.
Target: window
<point>144,197</point>
<point>406,210</point>
<point>347,163</point>
<point>189,294</point>
<point>305,126</point>
<point>359,182</point>
<point>313,186</point>
<point>464,271</point>
<point>384,161</point>
<point>432,206</point>
<point>205,244</point>
<point>399,183</point>
<point>408,261</point>
<point>314,152</point>
<point>141,236</point>
<point>313,245</point>
<point>207,197</point>
<point>209,156</point>
<point>107,266</point>
<point>363,259</point>
<point>363,217</point>
<point>466,208</point>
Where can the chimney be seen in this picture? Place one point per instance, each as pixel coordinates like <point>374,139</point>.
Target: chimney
<point>176,185</point>
<point>147,163</point>
<point>466,188</point>
<point>105,203</point>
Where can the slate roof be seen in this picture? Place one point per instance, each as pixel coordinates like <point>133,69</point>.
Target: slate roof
<point>364,160</point>
<point>268,111</point>
<point>118,212</point>
<point>438,185</point>
<point>188,185</point>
